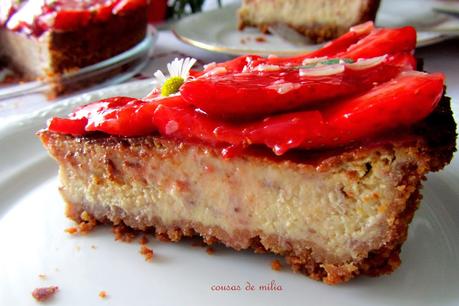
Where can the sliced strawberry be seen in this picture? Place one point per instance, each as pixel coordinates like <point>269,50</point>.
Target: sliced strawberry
<point>185,123</point>
<point>121,116</point>
<point>280,133</point>
<point>256,94</point>
<point>68,126</point>
<point>402,102</point>
<point>382,41</point>
<point>398,103</point>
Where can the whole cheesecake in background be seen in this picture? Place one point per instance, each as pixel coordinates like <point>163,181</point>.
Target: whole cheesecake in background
<point>42,39</point>
<point>319,158</point>
<point>320,20</point>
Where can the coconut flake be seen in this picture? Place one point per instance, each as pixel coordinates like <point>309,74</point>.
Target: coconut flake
<point>362,64</point>
<point>314,60</point>
<point>322,70</point>
<point>215,71</point>
<point>283,88</point>
<point>263,67</point>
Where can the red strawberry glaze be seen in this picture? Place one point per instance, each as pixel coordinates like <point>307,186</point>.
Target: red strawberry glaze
<point>231,105</point>
<point>119,116</point>
<point>258,92</point>
<point>34,17</point>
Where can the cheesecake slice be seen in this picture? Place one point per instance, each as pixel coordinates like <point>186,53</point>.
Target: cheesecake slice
<point>45,39</point>
<point>333,215</point>
<point>320,20</point>
<point>319,158</point>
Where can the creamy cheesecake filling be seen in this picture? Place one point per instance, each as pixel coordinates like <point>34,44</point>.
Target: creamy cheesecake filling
<point>347,210</point>
<point>29,55</point>
<point>303,12</point>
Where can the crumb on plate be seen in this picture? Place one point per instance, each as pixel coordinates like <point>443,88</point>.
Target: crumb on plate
<point>103,294</point>
<point>43,294</point>
<point>276,265</point>
<point>260,39</point>
<point>147,253</point>
<point>71,230</point>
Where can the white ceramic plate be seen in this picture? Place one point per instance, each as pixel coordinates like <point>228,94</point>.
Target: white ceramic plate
<point>33,242</point>
<point>217,30</point>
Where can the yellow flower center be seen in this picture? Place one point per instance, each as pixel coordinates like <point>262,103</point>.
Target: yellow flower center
<point>172,85</point>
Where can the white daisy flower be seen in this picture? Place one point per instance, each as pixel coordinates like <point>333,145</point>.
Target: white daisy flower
<point>179,72</point>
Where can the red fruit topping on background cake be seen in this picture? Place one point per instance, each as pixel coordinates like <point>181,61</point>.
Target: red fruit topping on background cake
<point>36,17</point>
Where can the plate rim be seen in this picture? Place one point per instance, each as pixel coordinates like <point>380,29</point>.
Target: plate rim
<point>232,51</point>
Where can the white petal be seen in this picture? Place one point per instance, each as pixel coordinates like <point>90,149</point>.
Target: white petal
<point>189,63</point>
<point>175,67</point>
<point>184,71</point>
<point>180,70</point>
<point>160,77</point>
<point>170,68</point>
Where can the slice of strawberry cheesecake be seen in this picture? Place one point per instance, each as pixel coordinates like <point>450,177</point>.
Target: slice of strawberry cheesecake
<point>319,158</point>
<point>320,20</point>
